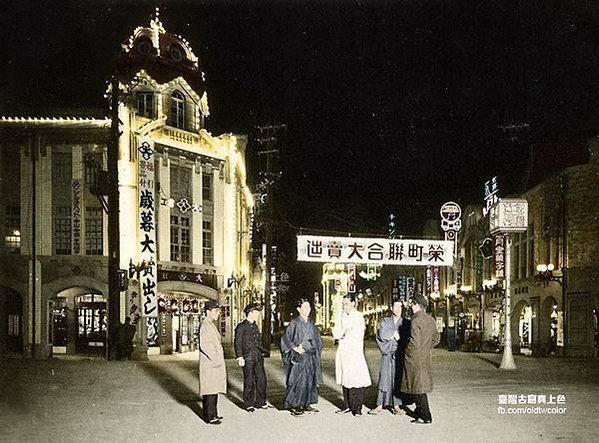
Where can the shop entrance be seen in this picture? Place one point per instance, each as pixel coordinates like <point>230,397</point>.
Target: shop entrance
<point>92,323</point>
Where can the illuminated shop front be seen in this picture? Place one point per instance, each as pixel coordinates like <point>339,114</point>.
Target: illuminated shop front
<point>184,209</point>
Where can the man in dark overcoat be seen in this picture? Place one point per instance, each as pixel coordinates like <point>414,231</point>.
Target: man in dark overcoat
<point>418,377</point>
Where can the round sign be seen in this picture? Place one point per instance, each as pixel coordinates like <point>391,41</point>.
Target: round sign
<point>450,211</point>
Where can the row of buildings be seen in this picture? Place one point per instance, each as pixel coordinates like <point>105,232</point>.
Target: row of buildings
<point>554,274</point>
<point>185,213</point>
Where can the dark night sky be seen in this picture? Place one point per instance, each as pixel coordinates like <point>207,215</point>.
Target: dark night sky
<point>391,105</point>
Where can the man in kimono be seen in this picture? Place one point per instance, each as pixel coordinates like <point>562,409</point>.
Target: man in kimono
<point>301,347</point>
<point>213,372</point>
<point>418,374</point>
<point>249,352</point>
<point>351,370</point>
<point>392,338</point>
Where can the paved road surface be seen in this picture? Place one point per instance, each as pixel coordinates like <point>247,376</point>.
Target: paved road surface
<point>76,400</point>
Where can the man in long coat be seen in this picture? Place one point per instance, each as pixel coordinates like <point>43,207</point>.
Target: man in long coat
<point>301,346</point>
<point>351,370</point>
<point>213,372</point>
<point>418,378</point>
<point>392,338</point>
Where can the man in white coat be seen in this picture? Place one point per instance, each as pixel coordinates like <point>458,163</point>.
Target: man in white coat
<point>213,372</point>
<point>351,370</point>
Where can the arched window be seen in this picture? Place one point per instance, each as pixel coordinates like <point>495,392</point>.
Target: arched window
<point>178,110</point>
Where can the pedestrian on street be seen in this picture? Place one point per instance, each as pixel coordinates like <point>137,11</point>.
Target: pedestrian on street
<point>213,372</point>
<point>250,351</point>
<point>301,346</point>
<point>418,377</point>
<point>125,334</point>
<point>351,370</point>
<point>392,338</point>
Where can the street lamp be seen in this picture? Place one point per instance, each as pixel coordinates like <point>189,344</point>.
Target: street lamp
<point>545,274</point>
<point>508,216</point>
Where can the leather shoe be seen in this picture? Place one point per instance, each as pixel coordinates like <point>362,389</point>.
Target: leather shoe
<point>310,409</point>
<point>250,409</point>
<point>421,421</point>
<point>296,412</point>
<point>342,411</point>
<point>214,421</point>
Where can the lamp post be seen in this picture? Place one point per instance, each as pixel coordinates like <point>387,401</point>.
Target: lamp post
<point>508,216</point>
<point>545,274</point>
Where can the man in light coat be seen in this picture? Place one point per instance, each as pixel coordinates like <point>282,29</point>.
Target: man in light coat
<point>213,372</point>
<point>351,370</point>
<point>418,374</point>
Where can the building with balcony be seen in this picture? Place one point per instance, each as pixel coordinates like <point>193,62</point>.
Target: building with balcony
<point>185,213</point>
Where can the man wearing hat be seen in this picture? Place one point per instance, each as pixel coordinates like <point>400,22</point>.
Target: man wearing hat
<point>418,378</point>
<point>250,356</point>
<point>213,372</point>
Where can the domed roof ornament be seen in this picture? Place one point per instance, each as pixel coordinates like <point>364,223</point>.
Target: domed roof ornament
<point>157,29</point>
<point>155,23</point>
<point>163,55</point>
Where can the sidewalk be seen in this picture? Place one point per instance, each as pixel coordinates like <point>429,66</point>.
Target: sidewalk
<point>63,400</point>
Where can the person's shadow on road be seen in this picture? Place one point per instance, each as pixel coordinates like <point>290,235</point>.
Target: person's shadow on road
<point>176,388</point>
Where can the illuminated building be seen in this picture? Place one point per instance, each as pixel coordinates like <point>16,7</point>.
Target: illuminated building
<point>197,208</point>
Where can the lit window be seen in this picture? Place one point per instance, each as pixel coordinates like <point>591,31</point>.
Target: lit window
<point>177,110</point>
<point>12,225</point>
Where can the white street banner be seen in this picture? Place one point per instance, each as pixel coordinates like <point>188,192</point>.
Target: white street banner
<point>147,227</point>
<point>384,251</point>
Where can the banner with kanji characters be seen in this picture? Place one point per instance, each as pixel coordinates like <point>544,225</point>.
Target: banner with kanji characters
<point>147,227</point>
<point>312,248</point>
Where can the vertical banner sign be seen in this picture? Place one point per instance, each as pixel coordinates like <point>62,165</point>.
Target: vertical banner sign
<point>428,282</point>
<point>560,328</point>
<point>478,276</point>
<point>133,300</point>
<point>76,218</point>
<point>436,281</point>
<point>403,287</point>
<point>395,289</point>
<point>147,227</point>
<point>498,255</point>
<point>351,275</point>
<point>491,188</point>
<point>410,283</point>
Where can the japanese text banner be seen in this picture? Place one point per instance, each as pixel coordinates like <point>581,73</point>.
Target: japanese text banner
<point>147,226</point>
<point>383,251</point>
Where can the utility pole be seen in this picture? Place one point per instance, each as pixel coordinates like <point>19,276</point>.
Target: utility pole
<point>268,140</point>
<point>114,294</point>
<point>34,151</point>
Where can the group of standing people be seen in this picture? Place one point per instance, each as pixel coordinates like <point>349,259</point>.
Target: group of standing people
<point>405,375</point>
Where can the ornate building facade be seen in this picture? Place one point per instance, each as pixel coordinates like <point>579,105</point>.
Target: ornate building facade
<point>185,213</point>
